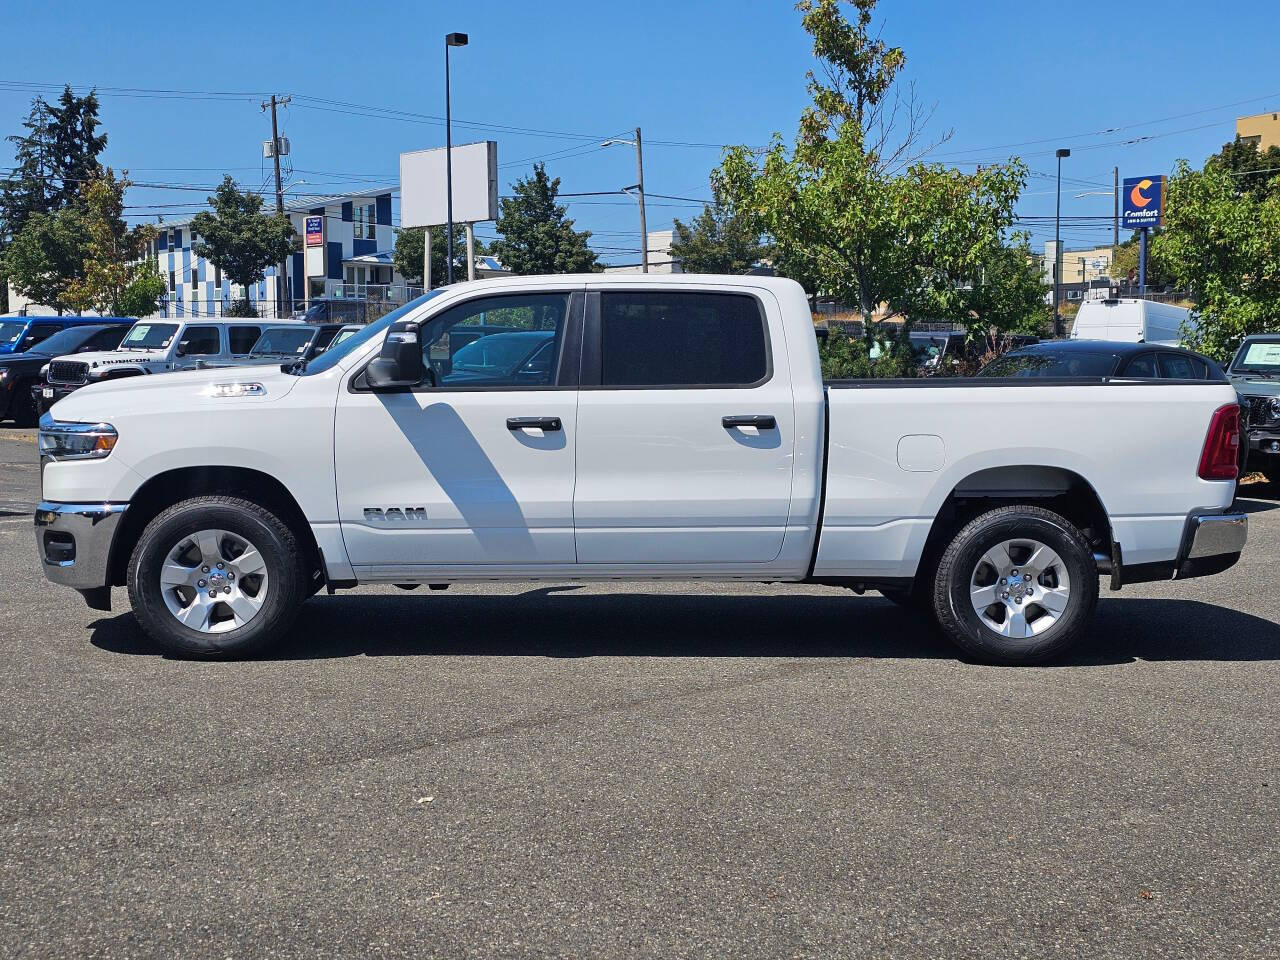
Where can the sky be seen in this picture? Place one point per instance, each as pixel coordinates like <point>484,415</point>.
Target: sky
<point>181,88</point>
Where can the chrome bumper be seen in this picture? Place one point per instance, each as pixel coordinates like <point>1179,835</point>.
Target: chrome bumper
<point>74,541</point>
<point>1212,543</point>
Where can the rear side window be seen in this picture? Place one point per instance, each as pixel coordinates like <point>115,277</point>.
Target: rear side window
<point>1175,366</point>
<point>200,341</point>
<point>243,338</point>
<point>674,339</point>
<point>1142,367</point>
<point>107,339</point>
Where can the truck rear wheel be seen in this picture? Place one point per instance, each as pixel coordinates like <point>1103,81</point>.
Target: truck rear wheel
<point>1015,586</point>
<point>216,577</point>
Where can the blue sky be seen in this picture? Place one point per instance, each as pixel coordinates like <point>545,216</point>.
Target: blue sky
<point>1007,78</point>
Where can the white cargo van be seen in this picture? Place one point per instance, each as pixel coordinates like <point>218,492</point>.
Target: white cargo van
<point>1131,320</point>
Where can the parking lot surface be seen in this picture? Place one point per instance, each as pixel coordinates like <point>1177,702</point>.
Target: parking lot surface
<point>625,769</point>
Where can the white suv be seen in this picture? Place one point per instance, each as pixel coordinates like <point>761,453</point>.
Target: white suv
<point>155,346</point>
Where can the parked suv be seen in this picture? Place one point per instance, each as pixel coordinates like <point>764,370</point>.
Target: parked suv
<point>19,334</point>
<point>1255,373</point>
<point>296,341</point>
<point>21,373</point>
<point>154,346</point>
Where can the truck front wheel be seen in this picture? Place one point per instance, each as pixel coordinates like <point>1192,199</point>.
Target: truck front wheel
<point>216,577</point>
<point>1015,586</point>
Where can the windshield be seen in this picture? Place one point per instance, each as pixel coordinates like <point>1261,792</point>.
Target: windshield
<point>1071,363</point>
<point>283,341</point>
<point>331,357</point>
<point>1263,356</point>
<point>148,336</point>
<point>65,341</point>
<point>10,331</point>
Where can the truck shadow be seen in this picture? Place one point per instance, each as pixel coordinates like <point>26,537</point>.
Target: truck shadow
<point>560,622</point>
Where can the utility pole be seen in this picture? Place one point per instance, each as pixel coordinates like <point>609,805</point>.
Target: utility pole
<point>275,156</point>
<point>1115,213</point>
<point>644,233</point>
<point>450,40</point>
<point>1057,248</point>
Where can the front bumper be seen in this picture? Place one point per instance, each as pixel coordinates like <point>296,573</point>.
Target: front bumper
<point>74,543</point>
<point>45,395</point>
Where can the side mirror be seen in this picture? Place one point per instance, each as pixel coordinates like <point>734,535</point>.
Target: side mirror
<point>400,362</point>
<point>181,351</point>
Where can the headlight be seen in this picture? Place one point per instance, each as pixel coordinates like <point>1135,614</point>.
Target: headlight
<point>4,376</point>
<point>76,441</point>
<point>1275,408</point>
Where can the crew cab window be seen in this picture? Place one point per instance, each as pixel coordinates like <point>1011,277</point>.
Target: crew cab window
<point>200,341</point>
<point>497,341</point>
<point>1179,367</point>
<point>107,339</point>
<point>674,339</point>
<point>1141,367</point>
<point>243,338</point>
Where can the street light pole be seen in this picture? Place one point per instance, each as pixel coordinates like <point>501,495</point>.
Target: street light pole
<point>1057,248</point>
<point>450,40</point>
<point>639,188</point>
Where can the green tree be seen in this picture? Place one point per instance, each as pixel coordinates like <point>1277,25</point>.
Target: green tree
<point>117,278</point>
<point>872,225</point>
<point>1126,259</point>
<point>242,240</point>
<point>76,143</point>
<point>721,239</point>
<point>1221,242</point>
<point>408,254</point>
<point>46,259</point>
<point>1256,170</point>
<point>535,234</point>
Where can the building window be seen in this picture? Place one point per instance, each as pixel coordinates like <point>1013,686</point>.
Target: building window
<point>217,277</point>
<point>364,221</point>
<point>172,284</point>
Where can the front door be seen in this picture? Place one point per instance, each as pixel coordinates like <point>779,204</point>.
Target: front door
<point>685,430</point>
<point>475,467</point>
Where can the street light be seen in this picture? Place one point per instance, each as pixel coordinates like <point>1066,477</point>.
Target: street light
<point>450,40</point>
<point>1057,247</point>
<point>639,188</point>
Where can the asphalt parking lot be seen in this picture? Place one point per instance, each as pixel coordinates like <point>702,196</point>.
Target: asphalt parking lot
<point>639,770</point>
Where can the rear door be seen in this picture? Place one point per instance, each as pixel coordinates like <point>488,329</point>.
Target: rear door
<point>685,428</point>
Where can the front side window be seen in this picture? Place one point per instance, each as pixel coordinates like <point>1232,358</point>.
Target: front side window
<point>290,341</point>
<point>200,341</point>
<point>38,333</point>
<point>673,339</point>
<point>497,341</point>
<point>11,332</point>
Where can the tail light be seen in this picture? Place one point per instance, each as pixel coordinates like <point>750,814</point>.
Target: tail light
<point>1221,457</point>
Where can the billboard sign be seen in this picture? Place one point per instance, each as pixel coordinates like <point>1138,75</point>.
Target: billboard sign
<point>313,245</point>
<point>314,230</point>
<point>1142,202</point>
<point>475,185</point>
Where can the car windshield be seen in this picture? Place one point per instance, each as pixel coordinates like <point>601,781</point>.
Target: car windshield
<point>287,341</point>
<point>65,341</point>
<point>1068,363</point>
<point>498,353</point>
<point>331,357</point>
<point>148,336</point>
<point>1263,356</point>
<point>10,331</point>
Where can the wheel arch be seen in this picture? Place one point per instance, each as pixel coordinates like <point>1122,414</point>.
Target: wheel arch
<point>173,486</point>
<point>1056,488</point>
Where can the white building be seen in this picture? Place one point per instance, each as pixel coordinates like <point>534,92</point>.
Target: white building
<point>660,259</point>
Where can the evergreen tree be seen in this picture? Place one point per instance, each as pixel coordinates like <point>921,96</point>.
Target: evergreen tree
<point>536,236</point>
<point>76,143</point>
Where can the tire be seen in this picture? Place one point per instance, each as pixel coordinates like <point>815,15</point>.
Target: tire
<point>1043,616</point>
<point>1271,470</point>
<point>227,618</point>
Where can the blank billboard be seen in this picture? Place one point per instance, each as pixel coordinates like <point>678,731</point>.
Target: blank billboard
<point>475,185</point>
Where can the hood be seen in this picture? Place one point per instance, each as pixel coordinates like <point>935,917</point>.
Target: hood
<point>185,390</point>
<point>1254,386</point>
<point>113,358</point>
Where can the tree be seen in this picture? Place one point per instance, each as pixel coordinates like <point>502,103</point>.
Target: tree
<point>46,258</point>
<point>1254,169</point>
<point>240,239</point>
<point>1126,259</point>
<point>1221,242</point>
<point>117,279</point>
<point>721,239</point>
<point>851,201</point>
<point>53,160</point>
<point>535,235</point>
<point>408,253</point>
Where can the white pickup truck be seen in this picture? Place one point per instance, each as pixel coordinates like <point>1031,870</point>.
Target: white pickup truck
<point>601,427</point>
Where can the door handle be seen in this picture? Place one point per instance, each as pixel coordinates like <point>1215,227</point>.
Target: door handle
<point>533,423</point>
<point>759,421</point>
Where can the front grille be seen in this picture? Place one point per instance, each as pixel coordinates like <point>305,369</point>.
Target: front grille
<point>68,372</point>
<point>1264,410</point>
